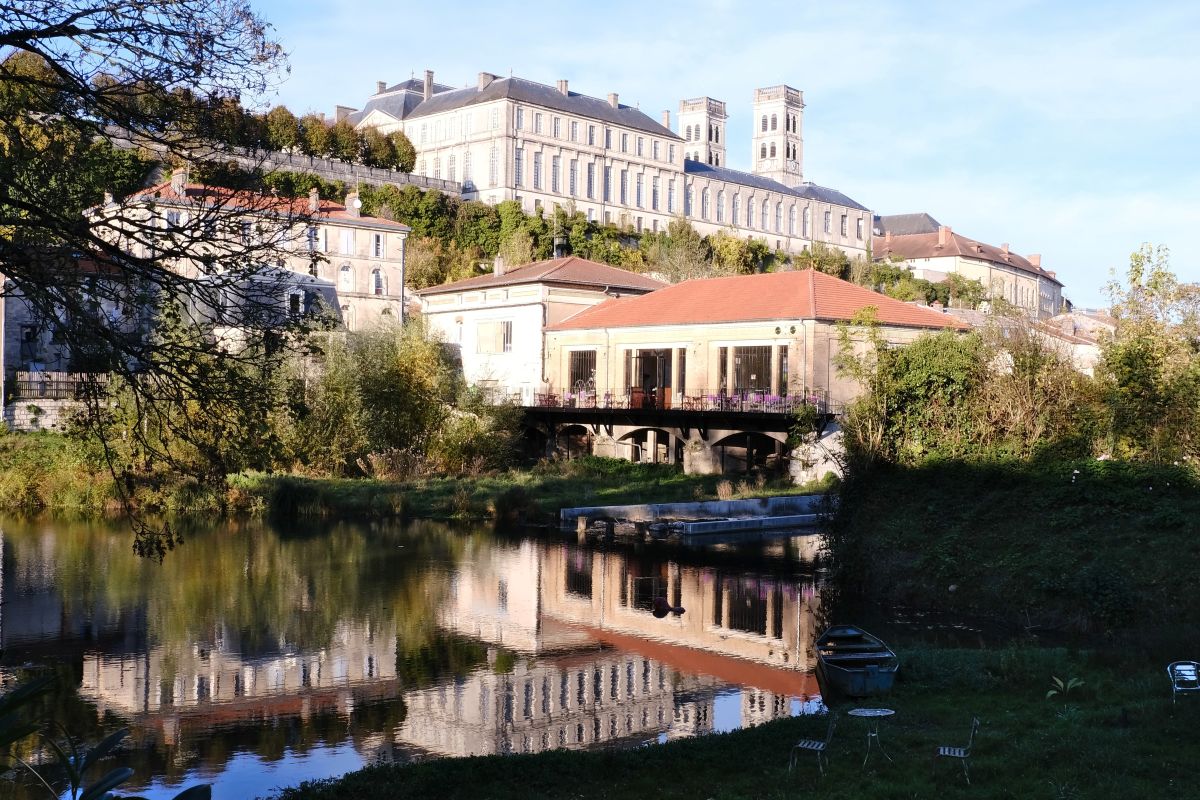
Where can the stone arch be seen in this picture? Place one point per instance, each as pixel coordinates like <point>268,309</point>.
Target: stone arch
<point>573,440</point>
<point>745,451</point>
<point>667,442</point>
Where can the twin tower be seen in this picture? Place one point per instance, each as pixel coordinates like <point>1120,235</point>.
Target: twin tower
<point>778,145</point>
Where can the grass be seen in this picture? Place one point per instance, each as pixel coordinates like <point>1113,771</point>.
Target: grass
<point>1090,545</point>
<point>1116,736</point>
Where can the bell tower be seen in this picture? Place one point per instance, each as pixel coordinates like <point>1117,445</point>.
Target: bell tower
<point>702,126</point>
<point>778,145</point>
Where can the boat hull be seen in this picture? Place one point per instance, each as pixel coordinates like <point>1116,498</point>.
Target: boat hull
<point>857,682</point>
<point>855,663</point>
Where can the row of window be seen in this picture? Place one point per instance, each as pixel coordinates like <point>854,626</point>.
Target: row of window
<point>625,142</point>
<point>319,240</point>
<point>791,122</point>
<point>713,158</point>
<point>638,197</point>
<point>696,133</point>
<point>789,148</point>
<point>378,284</point>
<point>765,217</point>
<point>455,127</point>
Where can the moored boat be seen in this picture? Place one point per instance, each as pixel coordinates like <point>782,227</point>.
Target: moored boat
<point>854,662</point>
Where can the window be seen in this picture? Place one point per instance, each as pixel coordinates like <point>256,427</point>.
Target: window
<point>591,182</point>
<point>778,217</point>
<point>493,166</point>
<point>312,238</point>
<point>173,218</point>
<point>829,222</point>
<point>378,283</point>
<point>720,206</point>
<point>687,133</point>
<point>845,226</point>
<point>624,142</point>
<point>495,118</point>
<point>704,204</point>
<point>671,153</point>
<point>494,337</point>
<point>537,122</point>
<point>520,122</point>
<point>716,134</point>
<point>765,219</point>
<point>377,245</point>
<point>450,168</point>
<point>574,131</point>
<point>762,151</point>
<point>750,213</point>
<point>346,278</point>
<point>806,223</point>
<point>607,185</point>
<point>654,149</point>
<point>467,166</point>
<point>582,371</point>
<point>764,122</point>
<point>294,300</point>
<point>557,127</point>
<point>671,197</point>
<point>654,193</point>
<point>687,202</point>
<point>640,142</point>
<point>608,138</point>
<point>537,170</point>
<point>347,242</point>
<point>624,187</point>
<point>859,226</point>
<point>772,149</point>
<point>638,190</point>
<point>573,177</point>
<point>733,213</point>
<point>774,122</point>
<point>591,134</point>
<point>555,171</point>
<point>792,221</point>
<point>424,130</point>
<point>437,168</point>
<point>518,164</point>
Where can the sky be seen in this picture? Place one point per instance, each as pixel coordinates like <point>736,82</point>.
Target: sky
<point>1068,129</point>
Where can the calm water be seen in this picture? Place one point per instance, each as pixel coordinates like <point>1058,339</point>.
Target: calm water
<point>257,657</point>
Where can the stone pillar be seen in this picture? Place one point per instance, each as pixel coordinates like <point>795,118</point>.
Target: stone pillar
<point>699,458</point>
<point>730,377</point>
<point>676,388</point>
<point>652,446</point>
<point>775,370</point>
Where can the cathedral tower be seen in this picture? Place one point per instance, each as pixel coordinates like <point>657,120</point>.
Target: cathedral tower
<point>778,147</point>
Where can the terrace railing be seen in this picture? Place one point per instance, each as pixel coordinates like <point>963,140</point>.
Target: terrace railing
<point>743,402</point>
<point>25,386</point>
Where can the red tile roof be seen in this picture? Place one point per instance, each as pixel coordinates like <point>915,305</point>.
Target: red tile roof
<point>571,270</point>
<point>257,201</point>
<point>744,298</point>
<point>925,245</point>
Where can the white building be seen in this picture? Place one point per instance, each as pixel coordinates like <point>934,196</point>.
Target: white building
<point>514,139</point>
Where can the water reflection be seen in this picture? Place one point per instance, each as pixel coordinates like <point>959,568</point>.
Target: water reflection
<point>255,658</point>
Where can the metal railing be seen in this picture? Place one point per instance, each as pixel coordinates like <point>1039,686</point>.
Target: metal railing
<point>25,386</point>
<point>742,402</point>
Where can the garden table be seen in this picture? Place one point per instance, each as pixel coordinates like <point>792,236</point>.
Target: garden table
<point>872,716</point>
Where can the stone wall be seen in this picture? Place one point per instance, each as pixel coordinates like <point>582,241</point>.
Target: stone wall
<point>38,415</point>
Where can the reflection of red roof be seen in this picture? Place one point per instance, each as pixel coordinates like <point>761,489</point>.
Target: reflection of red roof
<point>771,296</point>
<point>788,682</point>
<point>256,201</point>
<point>571,270</point>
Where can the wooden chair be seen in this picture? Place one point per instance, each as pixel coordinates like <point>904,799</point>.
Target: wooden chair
<point>963,754</point>
<point>818,746</point>
<point>1185,677</point>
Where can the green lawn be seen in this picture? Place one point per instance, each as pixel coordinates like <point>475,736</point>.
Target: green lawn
<point>1117,736</point>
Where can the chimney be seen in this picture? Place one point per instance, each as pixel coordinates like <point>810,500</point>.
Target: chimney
<point>353,204</point>
<point>562,86</point>
<point>1052,273</point>
<point>612,100</point>
<point>428,93</point>
<point>485,80</point>
<point>498,266</point>
<point>314,200</point>
<point>1035,259</point>
<point>380,87</point>
<point>666,119</point>
<point>944,233</point>
<point>1004,248</point>
<point>179,179</point>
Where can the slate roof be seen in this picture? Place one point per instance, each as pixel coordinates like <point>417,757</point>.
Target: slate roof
<point>925,245</point>
<point>807,294</point>
<point>571,270</point>
<point>808,191</point>
<point>905,224</point>
<point>539,94</point>
<point>397,101</point>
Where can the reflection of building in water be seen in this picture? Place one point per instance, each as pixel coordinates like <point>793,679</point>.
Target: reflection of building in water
<point>222,685</point>
<point>570,702</point>
<point>759,706</point>
<point>764,620</point>
<point>496,598</point>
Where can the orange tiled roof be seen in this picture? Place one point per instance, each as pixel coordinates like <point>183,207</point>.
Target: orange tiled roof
<point>570,270</point>
<point>926,245</point>
<point>257,201</point>
<point>744,298</point>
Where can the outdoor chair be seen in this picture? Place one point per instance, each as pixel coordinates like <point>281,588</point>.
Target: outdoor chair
<point>963,754</point>
<point>818,746</point>
<point>1185,677</point>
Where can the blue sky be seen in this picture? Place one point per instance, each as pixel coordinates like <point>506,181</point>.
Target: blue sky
<point>1068,129</point>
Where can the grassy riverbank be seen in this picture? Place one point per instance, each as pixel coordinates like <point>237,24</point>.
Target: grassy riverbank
<point>49,472</point>
<point>1115,736</point>
<point>1088,545</point>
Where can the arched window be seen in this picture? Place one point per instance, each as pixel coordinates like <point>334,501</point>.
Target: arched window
<point>762,151</point>
<point>437,168</point>
<point>378,282</point>
<point>806,223</point>
<point>716,134</point>
<point>450,168</point>
<point>750,213</point>
<point>733,214</point>
<point>765,220</point>
<point>764,122</point>
<point>710,158</point>
<point>348,317</point>
<point>687,202</point>
<point>778,217</point>
<point>774,122</point>
<point>704,204</point>
<point>720,206</point>
<point>772,149</point>
<point>717,159</point>
<point>346,278</point>
<point>687,133</point>
<point>792,221</point>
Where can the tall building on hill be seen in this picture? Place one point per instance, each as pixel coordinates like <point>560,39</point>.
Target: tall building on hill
<point>778,148</point>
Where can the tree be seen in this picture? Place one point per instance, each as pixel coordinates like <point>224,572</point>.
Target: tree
<point>282,129</point>
<point>406,154</point>
<point>314,136</point>
<point>679,253</point>
<point>76,77</point>
<point>344,142</point>
<point>377,150</point>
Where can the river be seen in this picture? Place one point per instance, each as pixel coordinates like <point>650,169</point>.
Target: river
<point>256,657</point>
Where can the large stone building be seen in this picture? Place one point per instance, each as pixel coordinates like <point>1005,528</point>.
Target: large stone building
<point>507,138</point>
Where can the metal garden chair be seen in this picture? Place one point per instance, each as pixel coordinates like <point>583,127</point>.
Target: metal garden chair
<point>818,746</point>
<point>963,754</point>
<point>1185,677</point>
